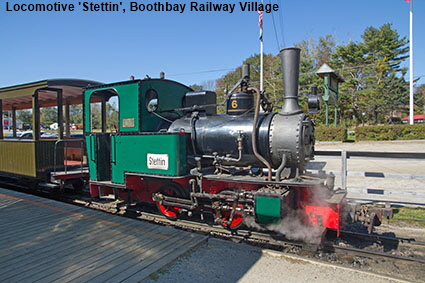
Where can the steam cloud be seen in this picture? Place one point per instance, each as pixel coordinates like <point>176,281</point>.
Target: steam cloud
<point>291,227</point>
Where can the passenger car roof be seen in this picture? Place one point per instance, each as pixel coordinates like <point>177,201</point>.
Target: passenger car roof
<point>20,96</point>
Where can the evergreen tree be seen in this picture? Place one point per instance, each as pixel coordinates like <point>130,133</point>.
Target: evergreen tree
<point>348,61</point>
<point>420,99</point>
<point>373,86</point>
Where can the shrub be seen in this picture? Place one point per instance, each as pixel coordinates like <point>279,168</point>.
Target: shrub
<point>331,134</point>
<point>391,132</point>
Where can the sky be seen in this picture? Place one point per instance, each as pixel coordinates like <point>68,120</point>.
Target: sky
<point>192,47</point>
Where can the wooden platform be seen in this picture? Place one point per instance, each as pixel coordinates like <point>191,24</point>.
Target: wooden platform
<point>43,240</point>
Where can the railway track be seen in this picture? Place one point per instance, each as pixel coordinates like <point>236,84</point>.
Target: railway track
<point>411,241</point>
<point>265,239</point>
<point>269,240</point>
<point>374,254</point>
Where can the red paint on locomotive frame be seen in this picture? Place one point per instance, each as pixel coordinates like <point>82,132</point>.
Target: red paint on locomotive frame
<point>315,211</point>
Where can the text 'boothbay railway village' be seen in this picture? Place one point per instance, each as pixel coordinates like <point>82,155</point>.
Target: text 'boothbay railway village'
<point>142,7</point>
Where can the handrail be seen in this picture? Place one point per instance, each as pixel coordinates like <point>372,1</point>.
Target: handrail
<point>92,140</point>
<point>368,154</point>
<point>378,154</point>
<point>66,142</point>
<point>113,149</point>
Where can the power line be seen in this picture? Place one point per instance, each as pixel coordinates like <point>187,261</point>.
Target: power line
<point>273,79</point>
<point>281,25</point>
<point>202,72</point>
<point>275,30</point>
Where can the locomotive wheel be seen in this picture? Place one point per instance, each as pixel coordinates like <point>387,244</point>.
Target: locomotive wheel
<point>237,219</point>
<point>225,215</point>
<point>170,190</point>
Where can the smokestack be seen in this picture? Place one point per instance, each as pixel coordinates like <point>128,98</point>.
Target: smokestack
<point>290,72</point>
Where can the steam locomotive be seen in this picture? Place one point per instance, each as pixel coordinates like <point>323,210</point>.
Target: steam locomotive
<point>242,167</point>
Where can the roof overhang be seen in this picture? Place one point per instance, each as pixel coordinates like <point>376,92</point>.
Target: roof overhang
<point>20,96</point>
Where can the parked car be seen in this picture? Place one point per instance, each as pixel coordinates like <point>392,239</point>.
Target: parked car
<point>28,135</point>
<point>77,135</point>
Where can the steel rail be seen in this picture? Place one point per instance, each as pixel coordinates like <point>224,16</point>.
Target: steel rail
<point>383,238</point>
<point>254,237</point>
<point>332,247</point>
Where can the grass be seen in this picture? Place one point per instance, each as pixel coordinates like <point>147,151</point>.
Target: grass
<point>162,271</point>
<point>410,215</point>
<point>156,274</point>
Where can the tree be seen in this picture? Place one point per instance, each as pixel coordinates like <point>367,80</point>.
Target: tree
<point>420,98</point>
<point>112,117</point>
<point>76,114</point>
<point>48,115</point>
<point>348,61</point>
<point>196,87</point>
<point>25,116</point>
<point>384,52</point>
<point>373,86</point>
<point>384,47</point>
<point>95,119</point>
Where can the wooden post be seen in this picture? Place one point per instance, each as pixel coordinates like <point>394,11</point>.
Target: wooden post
<point>344,169</point>
<point>60,113</point>
<point>13,121</point>
<point>67,130</point>
<point>35,117</point>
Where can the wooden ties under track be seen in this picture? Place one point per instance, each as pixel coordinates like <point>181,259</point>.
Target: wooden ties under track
<point>48,241</point>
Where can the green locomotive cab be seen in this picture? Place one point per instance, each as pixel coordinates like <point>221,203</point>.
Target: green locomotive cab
<point>126,129</point>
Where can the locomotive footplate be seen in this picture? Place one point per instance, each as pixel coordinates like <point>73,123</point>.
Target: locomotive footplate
<point>108,190</point>
<point>70,174</point>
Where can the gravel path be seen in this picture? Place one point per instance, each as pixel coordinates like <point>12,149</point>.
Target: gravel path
<point>224,261</point>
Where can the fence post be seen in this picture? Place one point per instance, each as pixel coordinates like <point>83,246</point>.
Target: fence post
<point>344,170</point>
